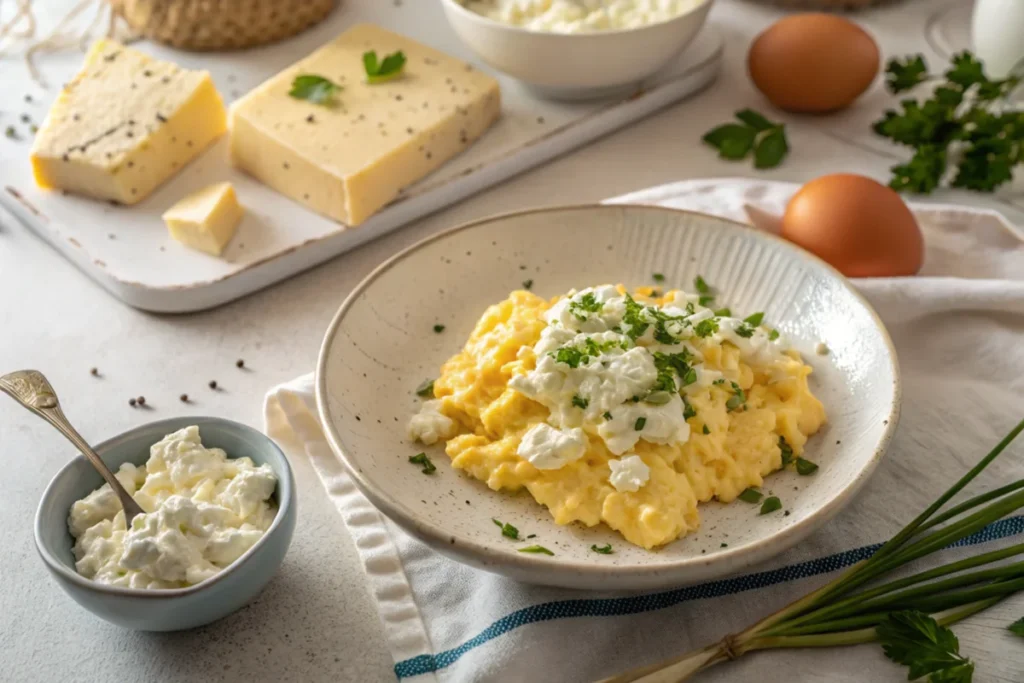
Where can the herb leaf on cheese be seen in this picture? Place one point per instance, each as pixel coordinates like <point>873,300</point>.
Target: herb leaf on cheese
<point>313,88</point>
<point>378,71</point>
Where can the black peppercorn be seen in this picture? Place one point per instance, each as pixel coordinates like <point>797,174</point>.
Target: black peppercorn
<point>141,400</point>
<point>213,384</point>
<point>239,363</point>
<point>184,398</point>
<point>131,402</point>
<point>94,372</point>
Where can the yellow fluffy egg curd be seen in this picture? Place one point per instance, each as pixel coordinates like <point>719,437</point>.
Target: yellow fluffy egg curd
<point>738,450</point>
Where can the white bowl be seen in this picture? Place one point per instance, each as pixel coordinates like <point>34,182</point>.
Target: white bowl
<point>577,65</point>
<point>381,345</point>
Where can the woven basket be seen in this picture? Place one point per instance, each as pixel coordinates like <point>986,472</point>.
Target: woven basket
<point>827,5</point>
<point>221,24</point>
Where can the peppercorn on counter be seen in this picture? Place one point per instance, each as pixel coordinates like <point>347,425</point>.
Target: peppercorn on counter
<point>350,143</point>
<point>621,409</point>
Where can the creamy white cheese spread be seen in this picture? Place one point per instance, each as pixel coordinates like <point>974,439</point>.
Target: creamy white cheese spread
<point>580,16</point>
<point>202,511</point>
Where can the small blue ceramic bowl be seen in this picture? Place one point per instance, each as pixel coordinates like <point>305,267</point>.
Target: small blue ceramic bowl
<point>179,608</point>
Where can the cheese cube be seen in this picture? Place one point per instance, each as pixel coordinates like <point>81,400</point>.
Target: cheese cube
<point>349,158</point>
<point>125,124</point>
<point>205,220</point>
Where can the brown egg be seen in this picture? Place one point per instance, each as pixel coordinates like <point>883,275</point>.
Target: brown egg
<point>813,63</point>
<point>861,227</point>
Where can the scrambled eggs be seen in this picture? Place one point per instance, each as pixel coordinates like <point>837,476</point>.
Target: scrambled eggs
<point>623,409</point>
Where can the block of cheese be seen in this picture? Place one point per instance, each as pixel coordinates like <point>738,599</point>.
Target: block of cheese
<point>205,220</point>
<point>348,159</point>
<point>125,124</point>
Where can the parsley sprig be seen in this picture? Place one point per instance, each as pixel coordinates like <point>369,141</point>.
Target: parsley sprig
<point>734,141</point>
<point>384,70</point>
<point>964,123</point>
<point>909,615</point>
<point>314,88</point>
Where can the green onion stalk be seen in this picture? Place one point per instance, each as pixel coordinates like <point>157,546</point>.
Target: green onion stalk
<point>848,610</point>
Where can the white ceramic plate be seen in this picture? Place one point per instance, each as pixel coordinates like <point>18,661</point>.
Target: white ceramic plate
<point>381,345</point>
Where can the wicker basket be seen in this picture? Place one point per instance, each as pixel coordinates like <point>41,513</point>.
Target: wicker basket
<point>221,24</point>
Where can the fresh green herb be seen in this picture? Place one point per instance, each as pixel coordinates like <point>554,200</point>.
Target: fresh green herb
<point>536,549</point>
<point>570,355</point>
<point>706,430</point>
<point>507,530</point>
<point>639,424</point>
<point>706,300</point>
<point>805,467</point>
<point>527,284</point>
<point>607,415</point>
<point>770,504</point>
<point>582,308</point>
<point>378,72</point>
<point>737,400</point>
<point>754,319</point>
<point>658,398</point>
<point>605,549</point>
<point>580,402</point>
<point>634,319</point>
<point>965,119</point>
<point>438,329</point>
<point>706,328</point>
<point>786,450</point>
<point>773,335</point>
<point>426,388</point>
<point>11,132</point>
<point>701,286</point>
<point>754,132</point>
<point>916,640</point>
<point>422,459</point>
<point>315,89</point>
<point>744,330</point>
<point>751,495</point>
<point>724,545</point>
<point>658,277</point>
<point>724,313</point>
<point>668,366</point>
<point>1017,627</point>
<point>688,410</point>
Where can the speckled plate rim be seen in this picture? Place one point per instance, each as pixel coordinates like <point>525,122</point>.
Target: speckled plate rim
<point>737,559</point>
<point>286,499</point>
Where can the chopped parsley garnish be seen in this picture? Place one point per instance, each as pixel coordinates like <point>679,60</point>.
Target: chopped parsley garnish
<point>671,364</point>
<point>574,356</point>
<point>737,400</point>
<point>706,328</point>
<point>580,402</point>
<point>570,355</point>
<point>385,70</point>
<point>724,312</point>
<point>744,330</point>
<point>773,335</point>
<point>582,308</point>
<point>507,530</point>
<point>605,549</point>
<point>724,545</point>
<point>658,277</point>
<point>536,549</point>
<point>705,299</point>
<point>706,430</point>
<point>313,88</point>
<point>527,284</point>
<point>720,380</point>
<point>438,329</point>
<point>422,459</point>
<point>702,287</point>
<point>805,467</point>
<point>688,410</point>
<point>770,504</point>
<point>787,451</point>
<point>751,495</point>
<point>634,318</point>
<point>754,319</point>
<point>639,424</point>
<point>607,416</point>
<point>658,398</point>
<point>426,388</point>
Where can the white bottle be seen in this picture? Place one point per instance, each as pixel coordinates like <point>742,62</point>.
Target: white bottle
<point>997,32</point>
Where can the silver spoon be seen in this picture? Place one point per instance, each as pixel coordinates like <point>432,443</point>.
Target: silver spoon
<point>32,390</point>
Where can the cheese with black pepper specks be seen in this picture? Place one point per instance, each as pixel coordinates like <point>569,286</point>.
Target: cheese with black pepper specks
<point>125,124</point>
<point>348,159</point>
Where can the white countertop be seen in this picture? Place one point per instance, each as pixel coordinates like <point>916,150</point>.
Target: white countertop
<point>315,621</point>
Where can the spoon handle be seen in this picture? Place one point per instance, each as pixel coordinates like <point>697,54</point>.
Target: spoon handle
<point>32,390</point>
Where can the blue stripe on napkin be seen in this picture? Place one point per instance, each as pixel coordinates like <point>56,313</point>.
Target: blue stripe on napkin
<point>610,607</point>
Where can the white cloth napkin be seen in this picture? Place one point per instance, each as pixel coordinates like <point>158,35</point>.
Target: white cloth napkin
<point>958,328</point>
